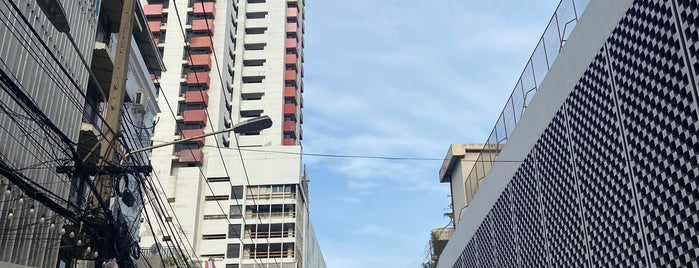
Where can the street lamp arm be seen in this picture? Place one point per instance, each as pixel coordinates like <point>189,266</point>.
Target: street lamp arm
<point>178,141</point>
<point>252,125</point>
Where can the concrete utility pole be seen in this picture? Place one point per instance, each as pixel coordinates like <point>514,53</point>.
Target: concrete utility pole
<point>117,90</point>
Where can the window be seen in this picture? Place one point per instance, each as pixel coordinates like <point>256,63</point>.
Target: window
<point>250,113</point>
<point>255,46</point>
<point>167,238</point>
<point>234,265</point>
<point>252,96</point>
<point>235,212</point>
<point>255,1</point>
<point>257,30</point>
<point>171,200</point>
<point>254,62</point>
<point>215,217</point>
<point>253,79</point>
<point>213,236</point>
<point>218,179</point>
<point>237,192</point>
<point>233,251</point>
<point>234,231</point>
<point>256,15</point>
<point>216,197</point>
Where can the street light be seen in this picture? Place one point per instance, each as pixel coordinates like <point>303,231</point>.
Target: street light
<point>248,126</point>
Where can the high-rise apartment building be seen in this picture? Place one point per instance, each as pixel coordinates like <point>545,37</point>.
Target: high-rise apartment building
<point>240,200</point>
<point>600,142</point>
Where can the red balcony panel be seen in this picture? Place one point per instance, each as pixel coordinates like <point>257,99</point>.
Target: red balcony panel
<point>197,97</point>
<point>154,26</point>
<point>205,8</point>
<point>289,126</point>
<point>203,25</point>
<point>289,141</point>
<point>153,10</point>
<point>290,75</point>
<point>292,27</point>
<point>195,116</point>
<point>290,43</point>
<point>289,108</point>
<point>290,92</point>
<point>292,12</point>
<point>200,60</point>
<point>191,156</point>
<point>199,78</point>
<point>290,59</point>
<point>188,133</point>
<point>201,42</point>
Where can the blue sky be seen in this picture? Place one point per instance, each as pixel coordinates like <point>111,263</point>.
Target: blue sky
<point>401,78</point>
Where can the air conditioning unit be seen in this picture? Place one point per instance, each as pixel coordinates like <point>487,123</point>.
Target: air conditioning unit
<point>139,100</point>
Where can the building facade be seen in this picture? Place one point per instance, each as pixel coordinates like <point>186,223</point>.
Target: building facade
<point>607,149</point>
<point>458,163</point>
<point>240,200</point>
<point>51,117</point>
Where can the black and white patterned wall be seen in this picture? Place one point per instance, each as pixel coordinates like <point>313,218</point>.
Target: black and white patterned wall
<point>614,179</point>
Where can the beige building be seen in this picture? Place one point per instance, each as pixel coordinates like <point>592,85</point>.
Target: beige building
<point>241,201</point>
<point>459,169</point>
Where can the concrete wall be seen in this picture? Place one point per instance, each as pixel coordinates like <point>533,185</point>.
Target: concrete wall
<point>590,33</point>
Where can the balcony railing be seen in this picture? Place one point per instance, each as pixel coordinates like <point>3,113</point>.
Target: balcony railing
<point>289,108</point>
<point>153,10</point>
<point>203,25</point>
<point>201,42</point>
<point>265,196</point>
<point>557,32</point>
<point>268,254</point>
<point>271,234</point>
<point>268,215</point>
<point>290,75</point>
<point>197,96</point>
<point>195,116</point>
<point>191,156</point>
<point>207,8</point>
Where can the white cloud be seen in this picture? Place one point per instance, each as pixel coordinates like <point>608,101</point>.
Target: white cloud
<point>403,79</point>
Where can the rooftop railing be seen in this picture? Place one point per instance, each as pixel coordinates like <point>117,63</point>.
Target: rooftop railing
<point>554,38</point>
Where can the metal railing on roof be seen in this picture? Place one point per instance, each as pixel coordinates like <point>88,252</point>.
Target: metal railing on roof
<point>554,38</point>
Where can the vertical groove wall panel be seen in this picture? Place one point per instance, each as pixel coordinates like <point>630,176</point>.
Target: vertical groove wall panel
<point>559,199</point>
<point>616,169</point>
<point>601,165</point>
<point>659,116</point>
<point>503,232</point>
<point>531,242</point>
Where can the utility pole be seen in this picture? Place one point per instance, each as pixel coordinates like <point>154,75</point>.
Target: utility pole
<point>117,90</point>
<point>112,116</point>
